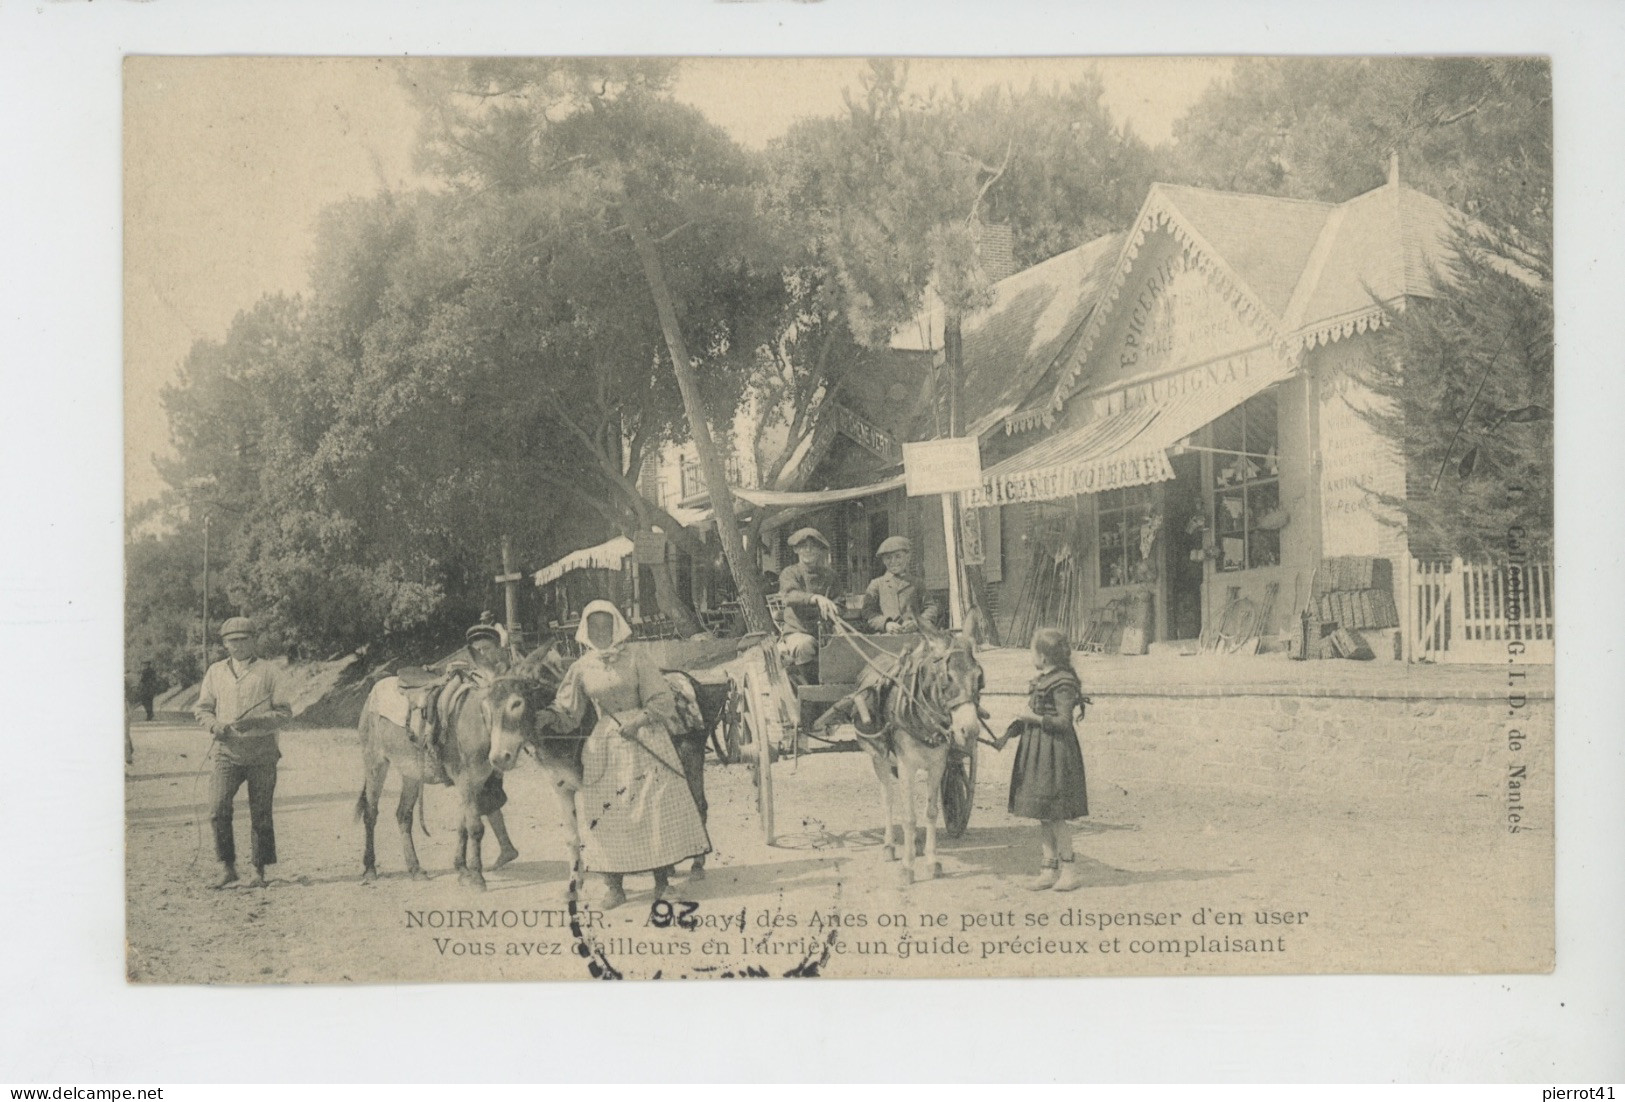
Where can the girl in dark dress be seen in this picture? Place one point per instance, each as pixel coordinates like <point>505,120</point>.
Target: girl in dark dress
<point>1047,782</point>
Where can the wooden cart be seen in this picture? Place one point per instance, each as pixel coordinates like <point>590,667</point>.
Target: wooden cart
<point>767,718</point>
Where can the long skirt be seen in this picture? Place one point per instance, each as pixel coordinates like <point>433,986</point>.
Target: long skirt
<point>634,805</point>
<point>1047,781</point>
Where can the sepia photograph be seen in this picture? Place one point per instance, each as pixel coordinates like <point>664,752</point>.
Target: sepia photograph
<point>656,518</point>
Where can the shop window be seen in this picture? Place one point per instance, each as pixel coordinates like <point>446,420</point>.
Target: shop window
<point>1122,516</point>
<point>1247,485</point>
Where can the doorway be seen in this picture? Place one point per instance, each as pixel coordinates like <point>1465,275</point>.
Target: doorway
<point>1185,520</point>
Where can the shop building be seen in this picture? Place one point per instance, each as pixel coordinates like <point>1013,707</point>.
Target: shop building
<point>1194,444</point>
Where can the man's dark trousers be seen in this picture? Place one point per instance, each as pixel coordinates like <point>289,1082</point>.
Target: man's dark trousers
<point>228,777</point>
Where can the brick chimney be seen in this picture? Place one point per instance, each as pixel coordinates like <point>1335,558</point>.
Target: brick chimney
<point>995,245</point>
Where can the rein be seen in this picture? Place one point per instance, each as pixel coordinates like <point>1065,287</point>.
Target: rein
<point>645,746</point>
<point>942,721</point>
<point>545,735</point>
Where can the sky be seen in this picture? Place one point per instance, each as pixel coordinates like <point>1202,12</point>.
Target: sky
<point>230,161</point>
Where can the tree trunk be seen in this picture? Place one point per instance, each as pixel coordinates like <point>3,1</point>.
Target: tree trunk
<point>671,601</point>
<point>668,595</point>
<point>953,353</point>
<point>747,576</point>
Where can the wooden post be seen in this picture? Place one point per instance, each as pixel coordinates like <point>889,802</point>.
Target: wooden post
<point>1407,609</point>
<point>205,592</point>
<point>953,349</point>
<point>509,580</point>
<point>950,526</point>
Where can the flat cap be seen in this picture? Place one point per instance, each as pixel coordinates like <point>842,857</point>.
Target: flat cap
<point>237,625</point>
<point>805,534</point>
<point>483,631</point>
<point>895,543</point>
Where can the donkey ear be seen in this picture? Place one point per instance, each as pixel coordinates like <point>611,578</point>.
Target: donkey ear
<point>535,667</point>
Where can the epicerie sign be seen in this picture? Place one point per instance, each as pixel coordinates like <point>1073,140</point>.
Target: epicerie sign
<point>1066,481</point>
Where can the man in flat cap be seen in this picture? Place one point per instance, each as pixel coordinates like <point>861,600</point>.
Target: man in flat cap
<point>893,603</point>
<point>806,586</point>
<point>242,704</point>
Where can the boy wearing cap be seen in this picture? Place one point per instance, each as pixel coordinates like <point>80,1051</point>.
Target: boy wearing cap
<point>892,603</point>
<point>806,586</point>
<point>484,658</point>
<point>241,703</point>
<point>488,654</point>
<point>488,657</point>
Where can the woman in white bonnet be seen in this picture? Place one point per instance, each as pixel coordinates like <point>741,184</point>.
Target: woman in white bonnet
<point>634,804</point>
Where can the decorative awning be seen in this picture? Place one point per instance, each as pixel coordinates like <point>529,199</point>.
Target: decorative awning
<point>810,499</point>
<point>690,517</point>
<point>609,555</point>
<point>1126,448</point>
<point>783,499</point>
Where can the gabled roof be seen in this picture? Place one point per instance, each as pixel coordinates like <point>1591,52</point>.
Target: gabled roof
<point>1383,245</point>
<point>1264,240</point>
<point>1306,272</point>
<point>1012,346</point>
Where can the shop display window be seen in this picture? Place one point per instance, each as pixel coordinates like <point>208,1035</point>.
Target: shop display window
<point>1247,485</point>
<point>1121,517</point>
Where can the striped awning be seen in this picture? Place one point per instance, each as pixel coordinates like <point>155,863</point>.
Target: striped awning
<point>786,499</point>
<point>1125,448</point>
<point>814,498</point>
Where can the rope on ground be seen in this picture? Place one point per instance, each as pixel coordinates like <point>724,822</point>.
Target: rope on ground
<point>197,804</point>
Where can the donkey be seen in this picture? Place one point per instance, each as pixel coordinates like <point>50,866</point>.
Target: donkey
<point>912,711</point>
<point>487,727</point>
<point>559,752</point>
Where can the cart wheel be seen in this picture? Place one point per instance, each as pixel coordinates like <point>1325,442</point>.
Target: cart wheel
<point>762,757</point>
<point>726,737</point>
<point>958,786</point>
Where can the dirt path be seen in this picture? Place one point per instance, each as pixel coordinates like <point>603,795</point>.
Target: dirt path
<point>1370,885</point>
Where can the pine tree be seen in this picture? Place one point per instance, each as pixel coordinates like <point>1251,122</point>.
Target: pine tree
<point>1468,373</point>
<point>1467,378</point>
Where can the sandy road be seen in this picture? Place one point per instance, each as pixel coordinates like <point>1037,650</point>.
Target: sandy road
<point>1355,884</point>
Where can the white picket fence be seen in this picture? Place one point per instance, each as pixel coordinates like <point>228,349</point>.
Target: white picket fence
<point>1470,612</point>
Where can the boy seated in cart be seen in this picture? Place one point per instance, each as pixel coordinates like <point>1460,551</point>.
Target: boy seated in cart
<point>806,587</point>
<point>893,603</point>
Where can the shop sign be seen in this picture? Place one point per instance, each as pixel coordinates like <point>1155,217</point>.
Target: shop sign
<point>944,466</point>
<point>649,548</point>
<point>1355,462</point>
<point>877,440</point>
<point>1178,317</point>
<point>1065,481</point>
<point>970,537</point>
<point>1230,369</point>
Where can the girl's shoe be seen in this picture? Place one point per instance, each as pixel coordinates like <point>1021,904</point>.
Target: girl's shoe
<point>1070,880</point>
<point>1047,875</point>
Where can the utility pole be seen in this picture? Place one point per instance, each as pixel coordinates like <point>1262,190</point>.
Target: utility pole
<point>205,592</point>
<point>953,363</point>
